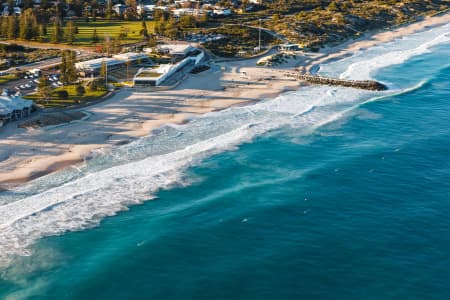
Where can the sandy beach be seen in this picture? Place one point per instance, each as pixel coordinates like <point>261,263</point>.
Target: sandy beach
<point>26,154</point>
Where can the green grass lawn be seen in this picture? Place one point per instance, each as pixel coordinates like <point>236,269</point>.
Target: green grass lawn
<point>73,99</point>
<point>7,78</point>
<point>108,28</point>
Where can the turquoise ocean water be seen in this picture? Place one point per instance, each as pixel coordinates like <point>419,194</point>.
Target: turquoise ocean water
<point>323,193</point>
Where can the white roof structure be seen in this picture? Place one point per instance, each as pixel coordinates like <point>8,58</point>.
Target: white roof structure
<point>177,49</point>
<point>130,56</point>
<point>96,63</point>
<point>109,61</point>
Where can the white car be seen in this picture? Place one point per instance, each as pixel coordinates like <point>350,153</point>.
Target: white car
<point>60,83</point>
<point>22,86</point>
<point>27,86</point>
<point>54,85</point>
<point>36,81</point>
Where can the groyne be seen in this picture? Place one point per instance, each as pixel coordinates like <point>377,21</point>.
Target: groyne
<point>359,84</point>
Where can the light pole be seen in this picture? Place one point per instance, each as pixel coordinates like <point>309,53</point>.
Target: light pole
<point>106,76</point>
<point>259,47</point>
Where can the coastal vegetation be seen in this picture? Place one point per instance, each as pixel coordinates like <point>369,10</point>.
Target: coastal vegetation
<point>239,40</point>
<point>331,22</point>
<point>13,55</point>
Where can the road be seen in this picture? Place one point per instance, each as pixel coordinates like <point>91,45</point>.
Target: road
<point>83,53</point>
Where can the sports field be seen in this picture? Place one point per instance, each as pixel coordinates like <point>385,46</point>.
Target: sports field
<point>130,29</point>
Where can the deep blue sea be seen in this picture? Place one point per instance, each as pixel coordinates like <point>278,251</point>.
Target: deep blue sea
<point>322,193</point>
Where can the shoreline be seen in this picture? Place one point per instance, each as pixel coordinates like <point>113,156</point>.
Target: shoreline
<point>27,154</point>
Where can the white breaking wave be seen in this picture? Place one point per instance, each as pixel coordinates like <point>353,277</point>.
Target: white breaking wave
<point>130,174</point>
<point>363,69</point>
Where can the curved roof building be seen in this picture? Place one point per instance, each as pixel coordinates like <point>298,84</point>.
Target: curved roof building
<point>14,108</point>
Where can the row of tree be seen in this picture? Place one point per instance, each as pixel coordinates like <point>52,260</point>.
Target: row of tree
<point>26,27</point>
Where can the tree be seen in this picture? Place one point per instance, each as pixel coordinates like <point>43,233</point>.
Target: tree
<point>13,28</point>
<point>95,38</point>
<point>144,30</point>
<point>152,42</point>
<point>333,6</point>
<point>42,31</point>
<point>4,27</point>
<point>67,67</point>
<point>79,89</point>
<point>69,32</point>
<point>44,89</point>
<point>56,33</point>
<point>28,28</point>
<point>103,69</point>
<point>62,94</point>
<point>116,45</point>
<point>109,10</point>
<point>63,67</point>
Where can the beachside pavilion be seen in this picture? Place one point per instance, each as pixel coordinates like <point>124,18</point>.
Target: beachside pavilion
<point>14,108</point>
<point>92,67</point>
<point>156,75</point>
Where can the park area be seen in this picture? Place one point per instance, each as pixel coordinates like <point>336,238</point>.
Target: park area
<point>67,96</point>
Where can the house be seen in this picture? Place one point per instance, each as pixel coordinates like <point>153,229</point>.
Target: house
<point>15,12</point>
<point>14,108</point>
<point>221,11</point>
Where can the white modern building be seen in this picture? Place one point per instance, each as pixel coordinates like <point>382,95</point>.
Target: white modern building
<point>156,75</point>
<point>14,108</point>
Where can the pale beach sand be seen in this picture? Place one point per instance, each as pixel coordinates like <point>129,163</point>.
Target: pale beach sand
<point>26,154</point>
